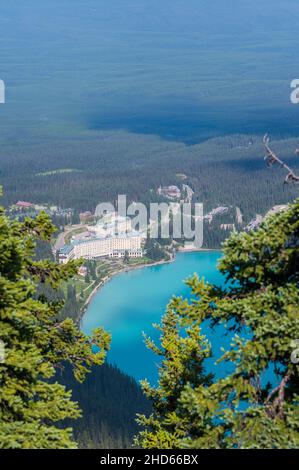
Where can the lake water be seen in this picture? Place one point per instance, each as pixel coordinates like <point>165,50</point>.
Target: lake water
<point>132,301</point>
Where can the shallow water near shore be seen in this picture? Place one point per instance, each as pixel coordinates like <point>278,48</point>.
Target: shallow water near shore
<point>132,301</point>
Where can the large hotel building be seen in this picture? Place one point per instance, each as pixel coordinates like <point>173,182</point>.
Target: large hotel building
<point>112,247</point>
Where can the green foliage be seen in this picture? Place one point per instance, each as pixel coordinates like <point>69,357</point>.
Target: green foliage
<point>220,171</point>
<point>154,250</point>
<point>182,363</point>
<point>37,342</point>
<point>126,258</point>
<point>109,400</point>
<point>260,305</point>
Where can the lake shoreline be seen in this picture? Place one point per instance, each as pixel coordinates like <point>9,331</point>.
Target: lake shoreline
<point>133,268</point>
<point>133,303</point>
<point>109,278</point>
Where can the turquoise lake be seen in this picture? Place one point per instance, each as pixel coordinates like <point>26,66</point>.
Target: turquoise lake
<point>132,301</point>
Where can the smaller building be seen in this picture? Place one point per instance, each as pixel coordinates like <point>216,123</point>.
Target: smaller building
<point>138,253</point>
<point>39,208</point>
<point>227,226</point>
<point>66,254</point>
<point>216,212</point>
<point>254,223</point>
<point>170,192</point>
<point>276,209</point>
<point>83,271</point>
<point>24,205</point>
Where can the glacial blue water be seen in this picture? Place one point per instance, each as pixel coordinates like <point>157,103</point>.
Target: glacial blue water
<point>131,302</point>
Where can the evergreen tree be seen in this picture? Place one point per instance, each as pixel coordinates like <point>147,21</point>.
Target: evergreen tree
<point>153,250</point>
<point>126,257</point>
<point>182,364</point>
<point>260,305</point>
<point>36,342</point>
<point>109,400</point>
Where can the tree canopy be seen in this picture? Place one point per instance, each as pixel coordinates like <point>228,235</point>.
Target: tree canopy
<point>256,405</point>
<point>36,342</point>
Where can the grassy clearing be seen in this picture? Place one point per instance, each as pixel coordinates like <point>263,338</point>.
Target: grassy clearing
<point>58,172</point>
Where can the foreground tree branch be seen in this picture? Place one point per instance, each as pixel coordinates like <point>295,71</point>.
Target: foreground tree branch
<point>271,159</point>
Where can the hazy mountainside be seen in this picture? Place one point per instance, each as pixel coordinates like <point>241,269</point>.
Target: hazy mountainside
<point>109,400</point>
<point>170,15</point>
<point>185,70</point>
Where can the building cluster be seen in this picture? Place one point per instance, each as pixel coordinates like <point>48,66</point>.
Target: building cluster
<point>112,237</point>
<point>228,227</point>
<point>170,192</point>
<point>111,225</point>
<point>31,209</point>
<point>83,271</point>
<point>256,222</point>
<point>217,211</point>
<point>276,209</point>
<point>24,205</point>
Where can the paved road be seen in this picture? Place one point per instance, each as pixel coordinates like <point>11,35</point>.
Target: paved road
<point>60,242</point>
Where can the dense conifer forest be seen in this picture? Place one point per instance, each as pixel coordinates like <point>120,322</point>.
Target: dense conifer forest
<point>109,400</point>
<point>122,97</point>
<point>221,171</point>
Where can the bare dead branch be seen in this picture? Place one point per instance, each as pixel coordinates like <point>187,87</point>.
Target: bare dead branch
<point>276,408</point>
<point>271,159</point>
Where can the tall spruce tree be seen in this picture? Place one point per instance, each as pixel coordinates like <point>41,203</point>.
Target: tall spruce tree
<point>260,305</point>
<point>36,342</point>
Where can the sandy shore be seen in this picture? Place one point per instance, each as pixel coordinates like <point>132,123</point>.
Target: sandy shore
<point>194,250</point>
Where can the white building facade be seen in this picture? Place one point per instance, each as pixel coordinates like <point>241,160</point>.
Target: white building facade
<point>113,247</point>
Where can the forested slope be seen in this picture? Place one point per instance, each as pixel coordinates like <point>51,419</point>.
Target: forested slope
<point>221,171</point>
<point>109,400</point>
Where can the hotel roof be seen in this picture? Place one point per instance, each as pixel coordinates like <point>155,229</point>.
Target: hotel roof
<point>66,249</point>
